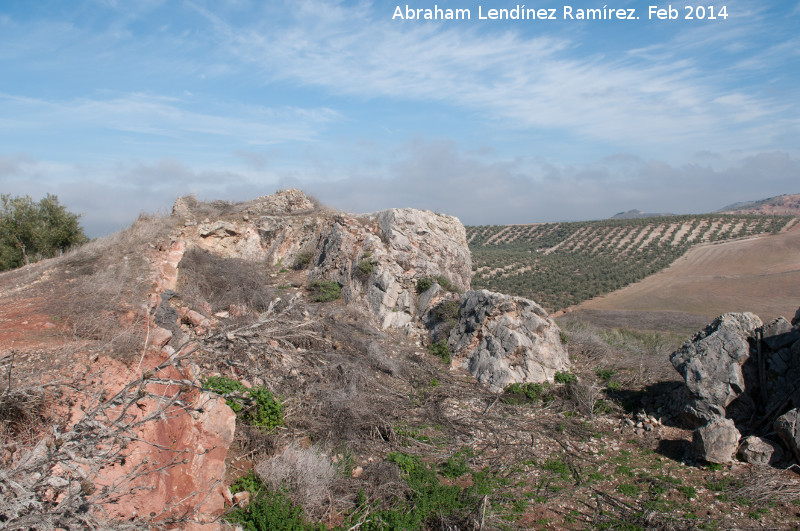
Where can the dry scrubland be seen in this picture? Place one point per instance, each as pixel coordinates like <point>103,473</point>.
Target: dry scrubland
<point>362,428</point>
<point>563,264</point>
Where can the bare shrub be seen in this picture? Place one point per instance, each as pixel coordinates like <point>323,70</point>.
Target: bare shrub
<point>764,485</point>
<point>61,480</point>
<point>585,396</point>
<point>224,282</point>
<point>585,340</point>
<point>305,473</point>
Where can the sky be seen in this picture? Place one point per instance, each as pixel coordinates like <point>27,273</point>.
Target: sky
<point>118,107</point>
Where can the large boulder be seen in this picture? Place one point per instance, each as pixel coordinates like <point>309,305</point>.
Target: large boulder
<point>503,339</point>
<point>711,365</point>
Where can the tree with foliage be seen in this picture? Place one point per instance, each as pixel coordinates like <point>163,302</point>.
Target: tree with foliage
<point>30,231</point>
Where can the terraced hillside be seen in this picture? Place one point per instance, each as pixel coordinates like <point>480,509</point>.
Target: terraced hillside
<point>562,264</point>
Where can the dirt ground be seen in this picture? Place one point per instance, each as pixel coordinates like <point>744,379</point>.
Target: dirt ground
<point>759,275</point>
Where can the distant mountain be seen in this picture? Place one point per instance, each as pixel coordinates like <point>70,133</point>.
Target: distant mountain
<point>635,214</point>
<point>787,204</point>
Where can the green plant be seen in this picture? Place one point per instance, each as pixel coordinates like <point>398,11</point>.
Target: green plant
<point>688,491</point>
<point>268,511</point>
<point>302,260</point>
<point>614,386</point>
<point>365,267</point>
<point>267,412</point>
<point>628,489</point>
<point>257,405</point>
<point>605,374</point>
<point>445,283</point>
<point>440,350</point>
<point>224,386</point>
<point>564,377</point>
<point>558,467</point>
<point>325,290</point>
<point>446,311</point>
<point>456,465</point>
<point>424,284</point>
<point>532,392</point>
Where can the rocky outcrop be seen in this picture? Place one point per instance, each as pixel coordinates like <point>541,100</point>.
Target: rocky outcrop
<point>711,365</point>
<point>503,339</point>
<point>380,258</point>
<point>745,372</point>
<point>376,258</point>
<point>381,261</point>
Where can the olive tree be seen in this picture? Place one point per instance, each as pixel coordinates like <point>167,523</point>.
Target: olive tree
<point>31,230</point>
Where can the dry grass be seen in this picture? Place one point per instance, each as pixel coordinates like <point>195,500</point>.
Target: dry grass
<point>105,286</point>
<point>305,473</point>
<point>224,282</point>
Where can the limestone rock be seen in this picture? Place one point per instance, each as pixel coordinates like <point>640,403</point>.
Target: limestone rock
<point>503,339</point>
<point>787,428</point>
<point>229,239</point>
<point>779,334</point>
<point>396,248</point>
<point>711,365</point>
<point>283,203</point>
<point>759,451</point>
<point>717,441</point>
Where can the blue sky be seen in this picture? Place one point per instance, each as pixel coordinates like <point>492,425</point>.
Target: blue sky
<point>119,107</point>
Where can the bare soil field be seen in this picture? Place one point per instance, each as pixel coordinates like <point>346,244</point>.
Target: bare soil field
<point>760,275</point>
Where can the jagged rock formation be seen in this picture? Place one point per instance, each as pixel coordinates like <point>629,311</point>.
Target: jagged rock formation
<point>711,365</point>
<point>378,260</point>
<point>740,370</point>
<point>503,339</point>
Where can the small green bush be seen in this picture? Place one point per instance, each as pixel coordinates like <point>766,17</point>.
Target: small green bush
<point>440,350</point>
<point>424,284</point>
<point>365,267</point>
<point>325,291</point>
<point>628,489</point>
<point>267,412</point>
<point>446,311</point>
<point>532,392</point>
<point>302,260</point>
<point>222,385</point>
<point>444,283</point>
<point>565,377</point>
<point>268,511</point>
<point>456,465</point>
<point>605,374</point>
<point>258,406</point>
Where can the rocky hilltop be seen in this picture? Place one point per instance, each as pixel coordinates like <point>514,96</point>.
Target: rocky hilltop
<point>274,364</point>
<point>209,273</point>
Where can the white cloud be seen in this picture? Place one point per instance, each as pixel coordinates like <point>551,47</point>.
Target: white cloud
<point>539,82</point>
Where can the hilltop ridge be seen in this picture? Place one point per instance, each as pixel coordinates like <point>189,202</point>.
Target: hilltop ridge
<point>781,205</point>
